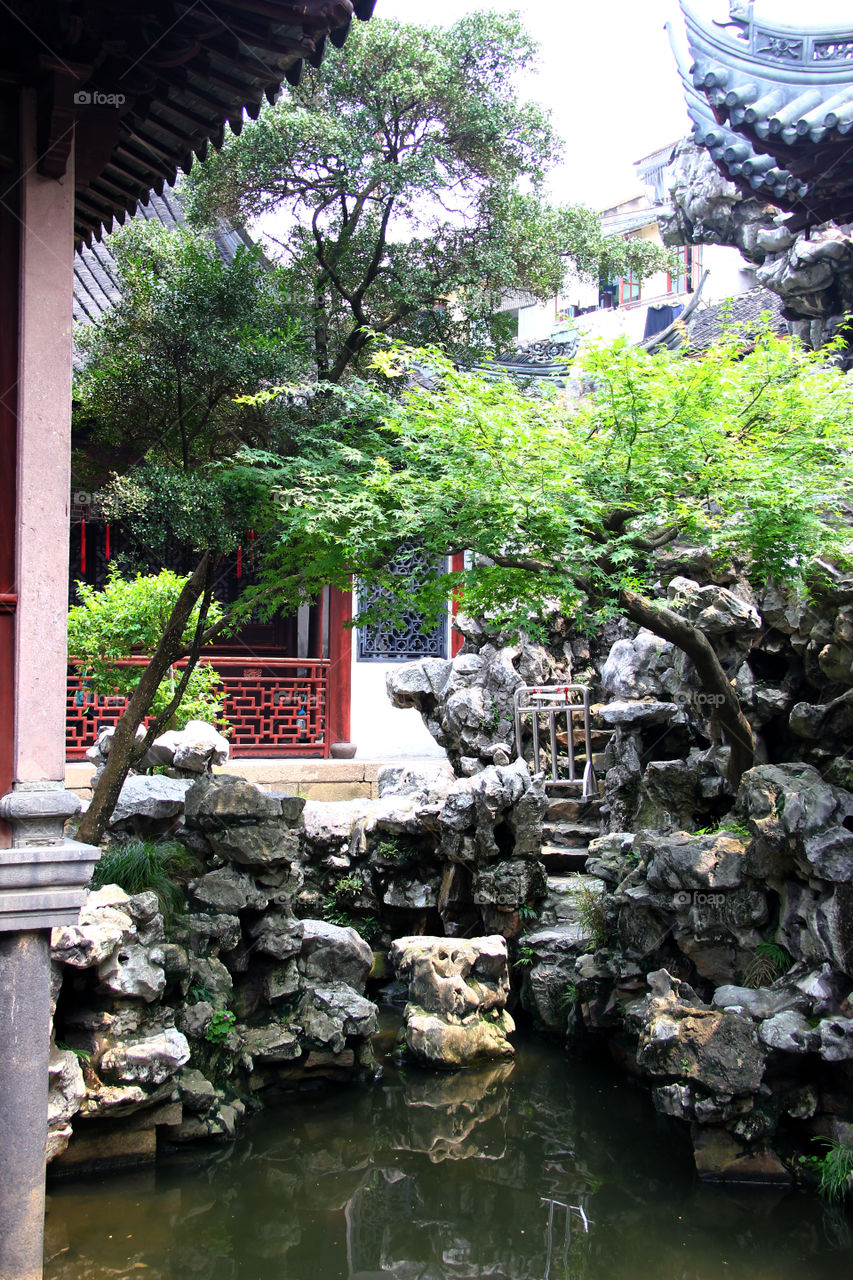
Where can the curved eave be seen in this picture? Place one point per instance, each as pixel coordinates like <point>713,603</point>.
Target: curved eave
<point>755,55</point>
<point>239,54</point>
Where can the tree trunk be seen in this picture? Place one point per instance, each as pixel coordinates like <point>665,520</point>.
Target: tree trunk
<point>727,713</point>
<point>124,751</point>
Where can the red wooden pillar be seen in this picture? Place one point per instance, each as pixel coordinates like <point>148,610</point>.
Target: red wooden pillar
<point>457,564</point>
<point>339,691</point>
<point>9,284</point>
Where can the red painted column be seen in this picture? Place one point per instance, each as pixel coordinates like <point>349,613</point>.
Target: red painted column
<point>457,564</point>
<point>339,692</point>
<point>9,260</point>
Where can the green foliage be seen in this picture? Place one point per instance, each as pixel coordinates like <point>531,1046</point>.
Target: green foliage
<point>220,1026</point>
<point>412,177</point>
<point>591,911</point>
<point>338,903</point>
<point>744,450</point>
<point>835,1170</point>
<point>730,827</point>
<point>768,963</point>
<point>188,334</point>
<point>138,865</point>
<point>199,993</point>
<point>527,911</point>
<point>568,997</point>
<point>126,619</point>
<point>82,1055</point>
<point>526,956</point>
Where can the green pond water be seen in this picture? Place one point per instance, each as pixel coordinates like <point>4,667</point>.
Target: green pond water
<point>543,1170</point>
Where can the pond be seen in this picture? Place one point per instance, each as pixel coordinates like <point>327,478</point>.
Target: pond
<point>545,1169</point>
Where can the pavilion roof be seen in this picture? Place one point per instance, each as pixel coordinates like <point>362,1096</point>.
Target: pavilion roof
<point>774,107</point>
<point>149,84</point>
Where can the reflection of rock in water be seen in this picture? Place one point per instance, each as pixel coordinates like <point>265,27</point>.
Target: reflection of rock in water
<point>388,1195</point>
<point>457,1117</point>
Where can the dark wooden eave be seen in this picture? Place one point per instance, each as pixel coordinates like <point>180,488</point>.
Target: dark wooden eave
<point>774,107</point>
<point>142,87</point>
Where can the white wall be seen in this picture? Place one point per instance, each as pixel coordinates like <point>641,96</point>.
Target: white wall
<point>379,730</point>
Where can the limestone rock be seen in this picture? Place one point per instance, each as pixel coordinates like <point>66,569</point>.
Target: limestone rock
<point>148,1061</point>
<point>795,816</point>
<point>65,1097</point>
<point>457,992</point>
<point>213,803</point>
<point>635,668</point>
<point>259,845</point>
<point>789,1032</point>
<point>273,1042</point>
<point>148,804</point>
<point>194,749</point>
<point>718,1050</point>
<point>133,972</point>
<point>227,889</point>
<point>682,861</point>
<point>331,953</point>
<point>195,1090</point>
<point>105,923</point>
<point>510,884</point>
<point>278,935</point>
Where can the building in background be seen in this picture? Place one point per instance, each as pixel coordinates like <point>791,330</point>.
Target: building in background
<point>630,307</point>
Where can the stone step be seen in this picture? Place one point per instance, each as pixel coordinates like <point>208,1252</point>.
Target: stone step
<point>562,902</point>
<point>565,809</point>
<point>572,835</point>
<point>558,859</point>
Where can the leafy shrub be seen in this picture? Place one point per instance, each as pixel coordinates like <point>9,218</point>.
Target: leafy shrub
<point>138,865</point>
<point>128,618</point>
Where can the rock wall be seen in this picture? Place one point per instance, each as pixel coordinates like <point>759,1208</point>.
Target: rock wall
<point>708,941</point>
<point>171,1027</point>
<point>811,272</point>
<point>721,971</point>
<point>433,854</point>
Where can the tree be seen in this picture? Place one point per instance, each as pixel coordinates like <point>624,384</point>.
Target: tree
<point>157,400</point>
<point>408,177</point>
<point>746,450</point>
<point>188,333</point>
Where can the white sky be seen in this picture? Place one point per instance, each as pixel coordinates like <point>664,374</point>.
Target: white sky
<point>608,76</point>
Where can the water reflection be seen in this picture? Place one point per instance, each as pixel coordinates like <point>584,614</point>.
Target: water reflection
<point>423,1177</point>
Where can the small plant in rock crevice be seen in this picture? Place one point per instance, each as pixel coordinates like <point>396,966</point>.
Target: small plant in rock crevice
<point>220,1026</point>
<point>835,1170</point>
<point>769,962</point>
<point>139,865</point>
<point>591,914</point>
<point>525,958</point>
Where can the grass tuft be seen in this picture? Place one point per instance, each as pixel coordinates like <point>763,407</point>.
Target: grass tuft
<point>139,865</point>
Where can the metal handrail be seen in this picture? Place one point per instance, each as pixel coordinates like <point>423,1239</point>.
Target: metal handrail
<point>555,700</point>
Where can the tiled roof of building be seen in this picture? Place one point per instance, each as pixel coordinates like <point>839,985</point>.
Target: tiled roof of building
<point>95,288</point>
<point>746,309</point>
<point>140,88</point>
<point>774,106</point>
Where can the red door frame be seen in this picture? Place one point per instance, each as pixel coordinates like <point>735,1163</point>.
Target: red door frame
<point>339,692</point>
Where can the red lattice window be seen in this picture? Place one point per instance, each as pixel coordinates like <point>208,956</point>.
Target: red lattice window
<point>276,707</point>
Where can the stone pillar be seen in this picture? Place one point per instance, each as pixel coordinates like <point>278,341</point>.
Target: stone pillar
<point>43,875</point>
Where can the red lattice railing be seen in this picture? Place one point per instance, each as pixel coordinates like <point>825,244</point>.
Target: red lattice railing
<point>276,707</point>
